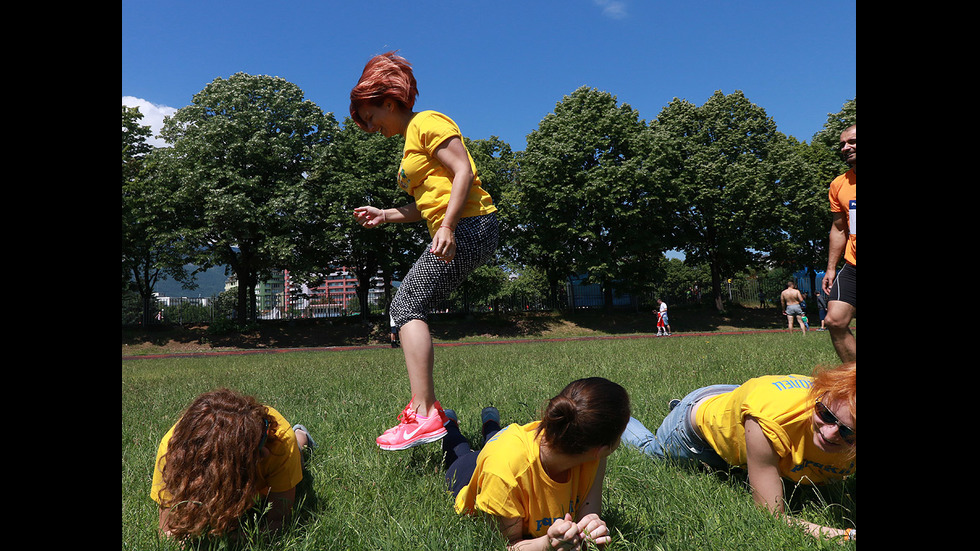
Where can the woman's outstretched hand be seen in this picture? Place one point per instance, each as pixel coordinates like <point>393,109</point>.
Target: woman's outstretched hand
<point>369,217</point>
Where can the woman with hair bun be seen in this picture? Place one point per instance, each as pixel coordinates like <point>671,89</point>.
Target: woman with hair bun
<point>794,427</point>
<point>439,174</point>
<point>542,482</point>
<point>225,454</point>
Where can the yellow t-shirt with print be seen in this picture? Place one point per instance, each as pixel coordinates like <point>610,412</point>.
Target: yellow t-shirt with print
<point>423,177</point>
<point>281,470</point>
<point>510,482</point>
<point>781,405</point>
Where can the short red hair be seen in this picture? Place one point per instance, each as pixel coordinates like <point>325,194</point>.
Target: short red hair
<point>386,76</point>
<point>837,386</point>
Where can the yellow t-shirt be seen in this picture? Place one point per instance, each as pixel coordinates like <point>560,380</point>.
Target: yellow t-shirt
<point>843,199</point>
<point>510,482</point>
<point>281,470</point>
<point>781,405</point>
<point>423,177</point>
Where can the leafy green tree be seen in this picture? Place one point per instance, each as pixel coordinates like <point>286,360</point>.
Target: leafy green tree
<point>497,166</point>
<point>723,166</point>
<point>529,288</point>
<point>237,166</point>
<point>483,286</point>
<point>148,255</point>
<point>590,198</point>
<point>360,169</point>
<point>826,142</point>
<point>681,281</point>
<point>805,173</point>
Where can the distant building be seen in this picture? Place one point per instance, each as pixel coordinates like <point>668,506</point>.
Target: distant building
<point>336,296</point>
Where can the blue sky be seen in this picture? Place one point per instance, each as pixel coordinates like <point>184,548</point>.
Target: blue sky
<point>498,68</point>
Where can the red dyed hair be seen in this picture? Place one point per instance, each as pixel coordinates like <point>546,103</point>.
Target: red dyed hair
<point>837,386</point>
<point>386,76</point>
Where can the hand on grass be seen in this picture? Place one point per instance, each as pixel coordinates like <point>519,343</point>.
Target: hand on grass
<point>567,534</point>
<point>593,529</point>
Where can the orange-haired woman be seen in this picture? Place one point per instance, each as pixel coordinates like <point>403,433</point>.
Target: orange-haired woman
<point>776,427</point>
<point>225,454</point>
<point>439,174</point>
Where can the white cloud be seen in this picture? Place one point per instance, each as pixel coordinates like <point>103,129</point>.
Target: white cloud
<point>612,8</point>
<point>152,116</point>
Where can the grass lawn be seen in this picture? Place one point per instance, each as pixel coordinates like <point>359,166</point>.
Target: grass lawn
<point>360,497</point>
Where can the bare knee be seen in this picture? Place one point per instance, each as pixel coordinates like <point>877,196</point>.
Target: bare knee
<point>839,316</point>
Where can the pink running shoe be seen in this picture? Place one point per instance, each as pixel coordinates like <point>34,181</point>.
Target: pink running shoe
<point>413,430</point>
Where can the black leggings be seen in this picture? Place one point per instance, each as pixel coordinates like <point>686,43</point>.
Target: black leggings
<point>460,458</point>
<point>431,280</point>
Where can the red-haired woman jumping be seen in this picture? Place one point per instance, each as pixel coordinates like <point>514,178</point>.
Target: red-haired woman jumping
<point>439,174</point>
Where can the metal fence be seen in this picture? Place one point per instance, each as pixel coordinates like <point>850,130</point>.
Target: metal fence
<point>748,292</point>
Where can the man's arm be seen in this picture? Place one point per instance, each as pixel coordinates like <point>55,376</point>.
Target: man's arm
<point>837,242</point>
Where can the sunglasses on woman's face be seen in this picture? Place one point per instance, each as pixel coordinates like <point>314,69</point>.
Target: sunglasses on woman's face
<point>827,416</point>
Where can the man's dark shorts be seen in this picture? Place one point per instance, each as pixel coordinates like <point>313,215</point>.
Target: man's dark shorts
<point>845,285</point>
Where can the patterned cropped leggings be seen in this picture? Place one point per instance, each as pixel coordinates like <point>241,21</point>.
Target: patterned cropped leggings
<point>431,280</point>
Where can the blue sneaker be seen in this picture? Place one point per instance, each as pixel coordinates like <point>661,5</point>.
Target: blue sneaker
<point>489,416</point>
<point>673,404</point>
<point>451,414</point>
<point>489,413</point>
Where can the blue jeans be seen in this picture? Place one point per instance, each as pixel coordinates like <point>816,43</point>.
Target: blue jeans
<point>676,440</point>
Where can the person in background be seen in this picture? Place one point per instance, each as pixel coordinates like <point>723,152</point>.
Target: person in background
<point>841,286</point>
<point>794,427</point>
<point>394,334</point>
<point>439,174</point>
<point>542,482</point>
<point>792,302</point>
<point>663,320</point>
<point>226,454</point>
<point>822,308</point>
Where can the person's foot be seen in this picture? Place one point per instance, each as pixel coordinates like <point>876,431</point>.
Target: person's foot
<point>310,443</point>
<point>673,403</point>
<point>413,430</point>
<point>450,416</point>
<point>490,420</point>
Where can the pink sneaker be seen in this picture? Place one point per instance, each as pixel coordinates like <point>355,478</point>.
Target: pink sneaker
<point>413,430</point>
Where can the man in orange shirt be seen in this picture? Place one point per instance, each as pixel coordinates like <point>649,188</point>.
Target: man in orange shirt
<point>840,286</point>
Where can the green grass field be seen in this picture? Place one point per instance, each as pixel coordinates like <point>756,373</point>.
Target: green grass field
<point>360,497</point>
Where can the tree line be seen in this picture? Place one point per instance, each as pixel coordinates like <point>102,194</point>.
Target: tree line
<point>257,178</point>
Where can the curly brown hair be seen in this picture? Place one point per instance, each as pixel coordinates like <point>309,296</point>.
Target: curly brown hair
<point>211,465</point>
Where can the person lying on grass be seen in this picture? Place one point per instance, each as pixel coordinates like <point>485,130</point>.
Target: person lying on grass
<point>776,427</point>
<point>542,482</point>
<point>226,454</point>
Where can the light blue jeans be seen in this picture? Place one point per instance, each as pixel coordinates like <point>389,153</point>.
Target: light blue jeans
<point>676,440</point>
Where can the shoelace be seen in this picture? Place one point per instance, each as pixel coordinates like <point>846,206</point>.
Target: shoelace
<point>406,416</point>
